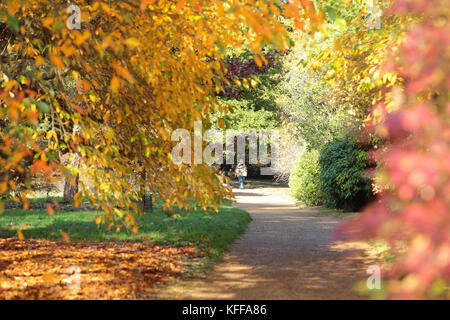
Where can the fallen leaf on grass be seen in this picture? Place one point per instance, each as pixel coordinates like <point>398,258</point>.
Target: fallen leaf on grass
<point>50,209</point>
<point>20,234</point>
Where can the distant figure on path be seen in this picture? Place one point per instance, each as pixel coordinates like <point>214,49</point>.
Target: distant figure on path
<point>241,173</point>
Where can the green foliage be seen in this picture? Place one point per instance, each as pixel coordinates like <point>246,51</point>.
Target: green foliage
<point>253,104</point>
<point>308,104</point>
<point>342,174</point>
<point>243,116</point>
<point>304,181</point>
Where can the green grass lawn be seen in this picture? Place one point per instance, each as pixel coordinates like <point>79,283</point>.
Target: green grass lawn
<point>208,231</point>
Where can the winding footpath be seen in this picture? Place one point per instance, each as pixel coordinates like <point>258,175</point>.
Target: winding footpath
<point>286,253</point>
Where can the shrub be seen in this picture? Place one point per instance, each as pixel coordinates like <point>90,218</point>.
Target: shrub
<point>342,175</point>
<point>304,181</point>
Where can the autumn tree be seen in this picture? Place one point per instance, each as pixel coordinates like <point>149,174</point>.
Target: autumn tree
<point>140,69</point>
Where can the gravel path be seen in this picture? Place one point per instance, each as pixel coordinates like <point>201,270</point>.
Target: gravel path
<point>286,253</point>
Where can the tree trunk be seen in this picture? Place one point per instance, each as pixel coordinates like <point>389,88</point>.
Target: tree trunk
<point>70,189</point>
<point>71,183</point>
<point>147,201</point>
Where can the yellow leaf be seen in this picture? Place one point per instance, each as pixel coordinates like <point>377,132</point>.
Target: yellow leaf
<point>245,84</point>
<point>68,51</point>
<point>10,85</point>
<point>47,22</point>
<point>49,277</point>
<point>258,60</point>
<point>57,61</point>
<point>39,61</point>
<point>180,5</point>
<point>26,203</point>
<point>121,71</point>
<point>80,38</point>
<point>50,209</point>
<point>115,82</point>
<point>132,42</point>
<point>20,235</point>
